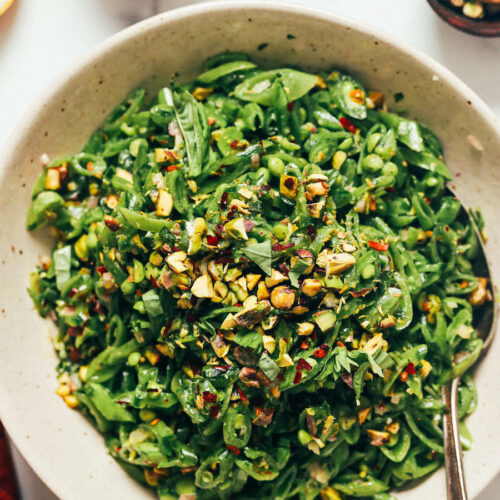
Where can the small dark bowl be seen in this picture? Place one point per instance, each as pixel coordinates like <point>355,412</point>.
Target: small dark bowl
<point>478,27</point>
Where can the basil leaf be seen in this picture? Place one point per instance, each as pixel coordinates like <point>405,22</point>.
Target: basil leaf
<point>260,87</point>
<point>251,339</point>
<point>260,254</point>
<point>407,131</point>
<point>152,303</point>
<point>194,127</point>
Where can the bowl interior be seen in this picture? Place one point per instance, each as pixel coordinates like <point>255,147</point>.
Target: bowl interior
<point>60,444</point>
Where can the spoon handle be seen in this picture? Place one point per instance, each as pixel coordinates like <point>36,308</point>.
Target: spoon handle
<point>455,477</point>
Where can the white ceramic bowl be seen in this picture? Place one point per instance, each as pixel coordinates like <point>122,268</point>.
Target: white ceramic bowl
<point>63,448</point>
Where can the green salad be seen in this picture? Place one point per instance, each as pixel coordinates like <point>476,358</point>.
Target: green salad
<point>260,286</point>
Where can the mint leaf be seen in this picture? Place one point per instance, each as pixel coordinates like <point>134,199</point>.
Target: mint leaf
<point>260,254</point>
<point>269,367</point>
<point>296,271</point>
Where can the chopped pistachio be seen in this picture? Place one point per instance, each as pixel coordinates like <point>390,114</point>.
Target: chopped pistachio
<point>275,279</point>
<point>229,322</point>
<point>311,287</point>
<point>479,295</point>
<point>125,175</point>
<point>235,228</point>
<point>250,316</point>
<point>220,291</point>
<point>176,261</point>
<point>338,159</point>
<point>252,280</point>
<point>375,343</point>
<point>269,343</point>
<point>262,291</point>
<point>201,93</point>
<point>317,189</point>
<point>305,329</point>
<point>282,297</point>
<point>202,287</point>
<point>52,179</point>
<point>289,186</point>
<point>216,271</point>
<point>378,438</point>
<point>164,203</point>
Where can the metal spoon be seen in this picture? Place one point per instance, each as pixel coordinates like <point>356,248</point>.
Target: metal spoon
<point>485,319</point>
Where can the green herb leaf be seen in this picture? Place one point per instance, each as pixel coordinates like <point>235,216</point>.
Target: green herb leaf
<point>260,254</point>
<point>62,265</point>
<point>269,367</point>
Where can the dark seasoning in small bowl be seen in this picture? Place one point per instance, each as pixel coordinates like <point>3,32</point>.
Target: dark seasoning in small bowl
<point>477,18</point>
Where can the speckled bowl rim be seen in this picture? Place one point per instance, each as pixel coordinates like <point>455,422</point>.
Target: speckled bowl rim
<point>35,459</point>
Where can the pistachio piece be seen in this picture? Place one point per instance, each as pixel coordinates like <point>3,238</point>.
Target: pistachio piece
<point>315,208</point>
<point>202,287</point>
<point>479,295</point>
<point>305,328</point>
<point>378,438</point>
<point>262,291</point>
<point>216,271</point>
<point>316,177</point>
<point>196,230</point>
<point>163,154</point>
<point>263,417</point>
<point>220,291</point>
<point>220,346</point>
<point>176,261</point>
<point>269,343</point>
<point>229,322</point>
<point>249,317</point>
<point>289,186</point>
<point>125,175</point>
<point>317,189</point>
<point>249,377</point>
<point>252,280</point>
<point>339,262</point>
<point>239,205</point>
<point>275,279</point>
<point>282,297</point>
<point>311,287</point>
<point>235,228</point>
<point>52,179</point>
<point>375,343</point>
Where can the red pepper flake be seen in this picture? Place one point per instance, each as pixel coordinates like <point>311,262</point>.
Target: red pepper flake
<point>234,144</point>
<point>278,247</point>
<point>298,376</point>
<point>340,343</point>
<point>111,223</point>
<point>74,354</point>
<point>212,240</point>
<point>74,331</point>
<point>225,259</point>
<point>361,293</point>
<point>72,292</point>
<point>304,345</point>
<point>154,422</point>
<point>242,395</point>
<point>289,183</point>
<point>290,106</point>
<point>117,449</point>
<point>410,368</point>
<point>302,364</point>
<point>404,376</point>
<point>210,120</point>
<point>222,368</point>
<point>231,212</point>
<point>139,292</point>
<point>223,200</point>
<point>347,124</point>
<point>101,270</point>
<point>209,397</point>
<point>319,353</point>
<point>233,449</point>
<point>380,247</point>
<point>214,411</point>
<point>172,168</point>
<point>191,318</point>
<point>313,336</point>
<point>155,283</point>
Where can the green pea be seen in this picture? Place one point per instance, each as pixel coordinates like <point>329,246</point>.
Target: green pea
<point>184,486</point>
<point>372,163</point>
<point>368,272</point>
<point>372,141</point>
<point>127,287</point>
<point>431,181</point>
<point>380,207</point>
<point>134,358</point>
<point>276,166</point>
<point>280,231</point>
<point>92,241</point>
<point>304,437</point>
<point>147,415</point>
<point>346,144</point>
<point>390,169</point>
